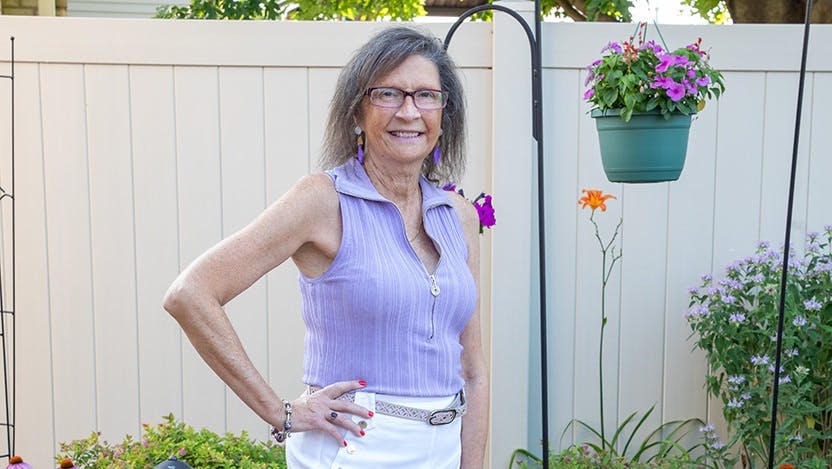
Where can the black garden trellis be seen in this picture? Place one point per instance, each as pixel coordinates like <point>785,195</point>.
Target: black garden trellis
<point>7,288</point>
<point>537,133</point>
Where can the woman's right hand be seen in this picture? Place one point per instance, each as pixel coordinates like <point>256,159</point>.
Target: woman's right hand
<point>323,411</point>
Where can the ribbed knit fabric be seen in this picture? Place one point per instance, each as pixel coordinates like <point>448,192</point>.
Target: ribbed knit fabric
<point>373,315</point>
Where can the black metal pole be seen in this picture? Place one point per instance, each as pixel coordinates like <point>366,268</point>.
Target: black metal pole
<point>787,241</point>
<point>537,134</point>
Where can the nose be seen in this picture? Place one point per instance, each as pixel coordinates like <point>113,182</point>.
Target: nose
<point>408,109</point>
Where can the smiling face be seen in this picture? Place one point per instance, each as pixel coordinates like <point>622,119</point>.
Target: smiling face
<point>406,134</point>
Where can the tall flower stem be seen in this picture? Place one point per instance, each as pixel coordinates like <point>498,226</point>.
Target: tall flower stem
<point>607,251</point>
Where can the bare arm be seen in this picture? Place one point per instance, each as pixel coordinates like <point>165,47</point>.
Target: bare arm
<point>474,369</point>
<point>304,219</point>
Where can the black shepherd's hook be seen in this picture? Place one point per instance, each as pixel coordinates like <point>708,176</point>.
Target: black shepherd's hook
<point>786,249</point>
<point>537,133</point>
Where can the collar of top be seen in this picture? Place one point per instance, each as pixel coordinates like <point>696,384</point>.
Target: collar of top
<point>353,180</point>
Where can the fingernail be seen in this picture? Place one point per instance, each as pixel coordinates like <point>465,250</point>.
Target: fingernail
<point>362,383</point>
<point>345,442</point>
<point>370,413</point>
<point>362,432</point>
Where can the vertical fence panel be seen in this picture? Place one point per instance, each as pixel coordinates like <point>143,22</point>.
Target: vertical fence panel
<point>819,145</point>
<point>68,234</point>
<point>113,256</point>
<point>153,137</point>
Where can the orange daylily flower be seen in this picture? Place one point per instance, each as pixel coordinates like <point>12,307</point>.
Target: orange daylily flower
<point>785,466</point>
<point>594,199</point>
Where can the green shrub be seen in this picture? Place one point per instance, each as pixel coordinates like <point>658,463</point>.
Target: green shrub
<point>201,449</point>
<point>734,320</point>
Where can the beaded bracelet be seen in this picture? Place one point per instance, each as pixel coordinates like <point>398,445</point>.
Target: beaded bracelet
<point>281,435</point>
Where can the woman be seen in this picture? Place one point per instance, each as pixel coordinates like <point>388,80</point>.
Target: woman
<point>388,273</point>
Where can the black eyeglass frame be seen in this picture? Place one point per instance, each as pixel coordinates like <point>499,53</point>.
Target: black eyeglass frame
<point>405,94</point>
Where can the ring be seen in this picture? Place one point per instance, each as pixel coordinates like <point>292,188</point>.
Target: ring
<point>332,416</point>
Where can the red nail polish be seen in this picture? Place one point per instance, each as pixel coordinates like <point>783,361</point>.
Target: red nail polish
<point>362,432</point>
<point>370,413</point>
<point>345,443</point>
<point>362,383</point>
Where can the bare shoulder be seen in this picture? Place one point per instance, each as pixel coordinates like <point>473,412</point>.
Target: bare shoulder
<point>466,212</point>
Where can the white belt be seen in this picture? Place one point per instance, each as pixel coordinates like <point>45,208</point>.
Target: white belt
<point>434,417</point>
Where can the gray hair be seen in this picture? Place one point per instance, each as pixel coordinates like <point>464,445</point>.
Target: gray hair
<point>378,57</point>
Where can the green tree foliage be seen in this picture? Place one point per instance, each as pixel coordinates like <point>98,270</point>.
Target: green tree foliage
<point>368,10</point>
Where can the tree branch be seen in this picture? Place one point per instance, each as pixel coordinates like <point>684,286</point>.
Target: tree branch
<point>571,10</point>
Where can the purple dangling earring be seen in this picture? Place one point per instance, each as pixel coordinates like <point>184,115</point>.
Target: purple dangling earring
<point>436,155</point>
<point>360,140</point>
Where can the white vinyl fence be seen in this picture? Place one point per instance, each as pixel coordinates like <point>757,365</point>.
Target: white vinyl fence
<point>140,143</point>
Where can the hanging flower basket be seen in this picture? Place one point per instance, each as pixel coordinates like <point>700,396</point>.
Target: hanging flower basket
<point>647,148</point>
<point>642,97</point>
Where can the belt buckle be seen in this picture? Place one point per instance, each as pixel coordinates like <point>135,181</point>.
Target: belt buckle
<point>442,417</point>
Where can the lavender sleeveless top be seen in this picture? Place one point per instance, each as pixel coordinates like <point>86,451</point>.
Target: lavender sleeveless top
<point>377,313</point>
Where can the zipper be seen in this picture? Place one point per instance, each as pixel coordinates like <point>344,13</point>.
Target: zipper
<point>434,290</point>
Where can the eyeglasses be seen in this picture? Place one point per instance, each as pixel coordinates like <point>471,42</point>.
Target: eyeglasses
<point>388,97</point>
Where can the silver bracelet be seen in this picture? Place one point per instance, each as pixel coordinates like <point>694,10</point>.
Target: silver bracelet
<point>281,435</point>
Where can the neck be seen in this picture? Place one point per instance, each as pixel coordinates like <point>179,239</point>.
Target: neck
<point>399,184</point>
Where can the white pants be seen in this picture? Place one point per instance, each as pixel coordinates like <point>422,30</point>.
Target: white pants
<point>389,442</point>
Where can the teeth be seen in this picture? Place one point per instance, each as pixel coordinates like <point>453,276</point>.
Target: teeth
<point>406,134</point>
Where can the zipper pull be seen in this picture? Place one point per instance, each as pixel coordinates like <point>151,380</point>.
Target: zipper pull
<point>434,287</point>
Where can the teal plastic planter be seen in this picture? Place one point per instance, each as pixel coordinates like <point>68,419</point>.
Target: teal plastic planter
<point>648,148</point>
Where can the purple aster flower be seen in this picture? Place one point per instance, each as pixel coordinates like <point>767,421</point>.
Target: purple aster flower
<point>717,445</point>
<point>737,379</point>
<point>707,278</point>
<point>785,379</point>
<point>799,321</point>
<point>823,267</point>
<point>709,428</point>
<point>812,304</point>
<point>763,245</point>
<point>728,299</point>
<point>759,360</point>
<point>693,290</point>
<point>735,403</point>
<point>676,91</point>
<point>745,396</point>
<point>758,278</point>
<point>737,318</point>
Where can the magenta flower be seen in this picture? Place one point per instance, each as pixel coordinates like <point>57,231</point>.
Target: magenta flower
<point>485,211</point>
<point>657,49</point>
<point>665,61</point>
<point>690,87</point>
<point>182,452</point>
<point>614,46</point>
<point>691,74</point>
<point>676,91</point>
<point>661,82</point>
<point>589,93</point>
<point>704,81</point>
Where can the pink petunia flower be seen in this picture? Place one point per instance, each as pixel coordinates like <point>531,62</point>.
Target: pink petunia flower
<point>676,91</point>
<point>589,93</point>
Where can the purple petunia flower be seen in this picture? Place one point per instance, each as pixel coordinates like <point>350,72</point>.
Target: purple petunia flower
<point>614,46</point>
<point>589,93</point>
<point>657,49</point>
<point>485,211</point>
<point>665,61</point>
<point>676,91</point>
